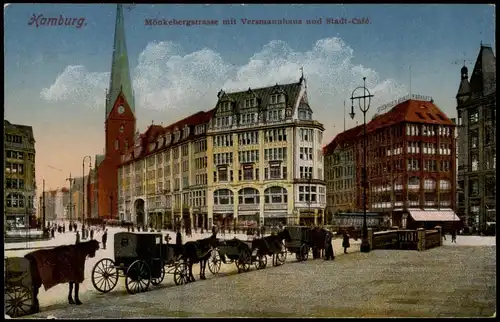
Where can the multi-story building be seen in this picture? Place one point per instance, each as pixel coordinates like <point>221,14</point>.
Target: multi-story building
<point>163,178</point>
<point>57,204</point>
<point>410,162</point>
<point>340,172</point>
<point>476,106</point>
<point>255,157</point>
<point>266,161</point>
<point>20,182</point>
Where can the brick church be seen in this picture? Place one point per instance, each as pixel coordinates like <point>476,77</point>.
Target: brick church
<point>120,126</point>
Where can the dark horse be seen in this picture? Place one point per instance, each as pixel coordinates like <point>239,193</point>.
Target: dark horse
<point>62,264</point>
<point>318,236</point>
<point>271,245</point>
<point>198,251</point>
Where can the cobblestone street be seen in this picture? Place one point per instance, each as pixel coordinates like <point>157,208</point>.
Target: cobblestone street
<point>444,281</point>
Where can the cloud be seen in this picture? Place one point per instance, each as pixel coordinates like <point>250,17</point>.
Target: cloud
<point>166,78</point>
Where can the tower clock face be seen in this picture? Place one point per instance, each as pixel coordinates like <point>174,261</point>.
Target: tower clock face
<point>121,109</point>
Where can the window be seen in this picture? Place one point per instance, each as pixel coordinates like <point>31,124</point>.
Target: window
<point>307,193</point>
<point>275,135</point>
<point>306,135</point>
<point>431,116</point>
<point>444,184</point>
<point>250,102</point>
<point>223,158</point>
<point>420,115</point>
<point>246,173</point>
<point>249,156</point>
<point>275,154</point>
<point>275,195</point>
<point>277,98</point>
<point>15,200</point>
<point>473,116</point>
<point>248,196</point>
<point>223,197</point>
<point>223,174</point>
<point>429,184</point>
<point>306,172</point>
<point>248,138</point>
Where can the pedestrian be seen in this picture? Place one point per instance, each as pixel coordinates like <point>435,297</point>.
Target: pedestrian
<point>178,242</point>
<point>77,237</point>
<point>214,230</point>
<point>444,233</point>
<point>91,233</point>
<point>53,232</point>
<point>104,239</point>
<point>329,255</point>
<point>128,228</point>
<point>64,228</point>
<point>345,241</point>
<point>454,236</point>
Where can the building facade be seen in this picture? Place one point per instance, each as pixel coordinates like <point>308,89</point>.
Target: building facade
<point>255,157</point>
<point>476,107</point>
<point>119,126</point>
<point>57,205</point>
<point>340,173</point>
<point>20,182</point>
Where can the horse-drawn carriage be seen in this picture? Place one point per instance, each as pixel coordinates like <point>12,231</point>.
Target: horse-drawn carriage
<point>238,252</point>
<point>18,287</point>
<point>142,258</point>
<point>301,241</point>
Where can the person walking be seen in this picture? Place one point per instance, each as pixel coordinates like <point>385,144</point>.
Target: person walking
<point>329,255</point>
<point>64,228</point>
<point>92,233</point>
<point>77,237</point>
<point>454,236</point>
<point>104,239</point>
<point>345,241</point>
<point>178,242</point>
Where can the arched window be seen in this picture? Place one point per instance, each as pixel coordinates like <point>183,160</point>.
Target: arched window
<point>248,196</point>
<point>15,200</point>
<point>223,197</point>
<point>275,195</point>
<point>414,181</point>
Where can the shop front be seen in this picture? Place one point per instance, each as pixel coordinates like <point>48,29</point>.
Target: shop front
<point>275,218</point>
<point>306,217</point>
<point>248,218</point>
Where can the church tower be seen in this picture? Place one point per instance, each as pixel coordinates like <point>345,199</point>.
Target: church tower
<point>120,124</point>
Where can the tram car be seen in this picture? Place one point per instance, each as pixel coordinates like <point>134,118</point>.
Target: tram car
<point>352,223</point>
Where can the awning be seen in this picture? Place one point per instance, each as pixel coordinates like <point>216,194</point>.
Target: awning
<point>433,215</point>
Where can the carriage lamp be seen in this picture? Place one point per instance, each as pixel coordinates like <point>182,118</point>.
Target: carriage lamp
<point>365,98</point>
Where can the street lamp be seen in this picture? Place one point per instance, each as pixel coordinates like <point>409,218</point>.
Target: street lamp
<point>83,189</point>
<point>365,246</point>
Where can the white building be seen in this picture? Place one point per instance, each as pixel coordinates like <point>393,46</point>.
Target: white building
<point>256,157</point>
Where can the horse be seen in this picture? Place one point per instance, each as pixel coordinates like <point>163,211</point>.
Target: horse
<point>318,236</point>
<point>198,251</point>
<point>62,264</point>
<point>271,245</point>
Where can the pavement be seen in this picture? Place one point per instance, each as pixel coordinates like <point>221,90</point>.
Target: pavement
<point>453,280</point>
<point>445,281</point>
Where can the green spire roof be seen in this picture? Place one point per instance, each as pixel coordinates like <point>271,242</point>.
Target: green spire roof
<point>120,72</point>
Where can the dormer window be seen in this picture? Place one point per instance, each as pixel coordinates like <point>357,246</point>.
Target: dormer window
<point>225,107</point>
<point>152,147</point>
<point>161,140</point>
<point>277,98</point>
<point>177,136</point>
<point>199,129</point>
<point>305,115</point>
<point>250,102</point>
<point>186,132</point>
<point>168,139</point>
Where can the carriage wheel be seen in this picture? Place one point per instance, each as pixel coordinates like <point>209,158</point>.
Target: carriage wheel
<point>180,274</point>
<point>104,275</point>
<point>243,262</point>
<point>138,277</point>
<point>157,280</point>
<point>261,261</point>
<point>18,301</point>
<point>214,262</point>
<point>304,252</point>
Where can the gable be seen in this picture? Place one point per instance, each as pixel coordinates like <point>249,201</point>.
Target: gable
<point>119,113</point>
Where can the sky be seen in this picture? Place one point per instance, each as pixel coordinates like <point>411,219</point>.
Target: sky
<point>56,76</point>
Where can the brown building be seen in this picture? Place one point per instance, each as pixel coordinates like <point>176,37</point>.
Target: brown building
<point>410,164</point>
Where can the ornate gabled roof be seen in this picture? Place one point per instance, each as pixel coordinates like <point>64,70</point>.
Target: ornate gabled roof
<point>411,111</point>
<point>153,139</point>
<point>483,78</point>
<point>120,81</point>
<point>291,91</point>
<point>98,160</point>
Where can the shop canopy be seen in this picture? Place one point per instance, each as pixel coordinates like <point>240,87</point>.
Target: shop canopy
<point>433,215</point>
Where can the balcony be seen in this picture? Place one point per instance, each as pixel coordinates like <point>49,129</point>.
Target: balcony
<point>223,208</point>
<point>255,207</point>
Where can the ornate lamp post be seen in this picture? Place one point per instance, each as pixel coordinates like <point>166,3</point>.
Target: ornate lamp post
<point>365,246</point>
<point>83,189</point>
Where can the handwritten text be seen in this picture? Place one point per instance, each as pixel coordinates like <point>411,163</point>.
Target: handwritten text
<point>41,21</point>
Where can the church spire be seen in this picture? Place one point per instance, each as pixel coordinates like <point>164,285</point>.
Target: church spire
<point>120,72</point>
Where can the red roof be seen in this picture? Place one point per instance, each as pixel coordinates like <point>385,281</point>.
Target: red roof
<point>411,111</point>
<point>343,138</point>
<point>155,131</point>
